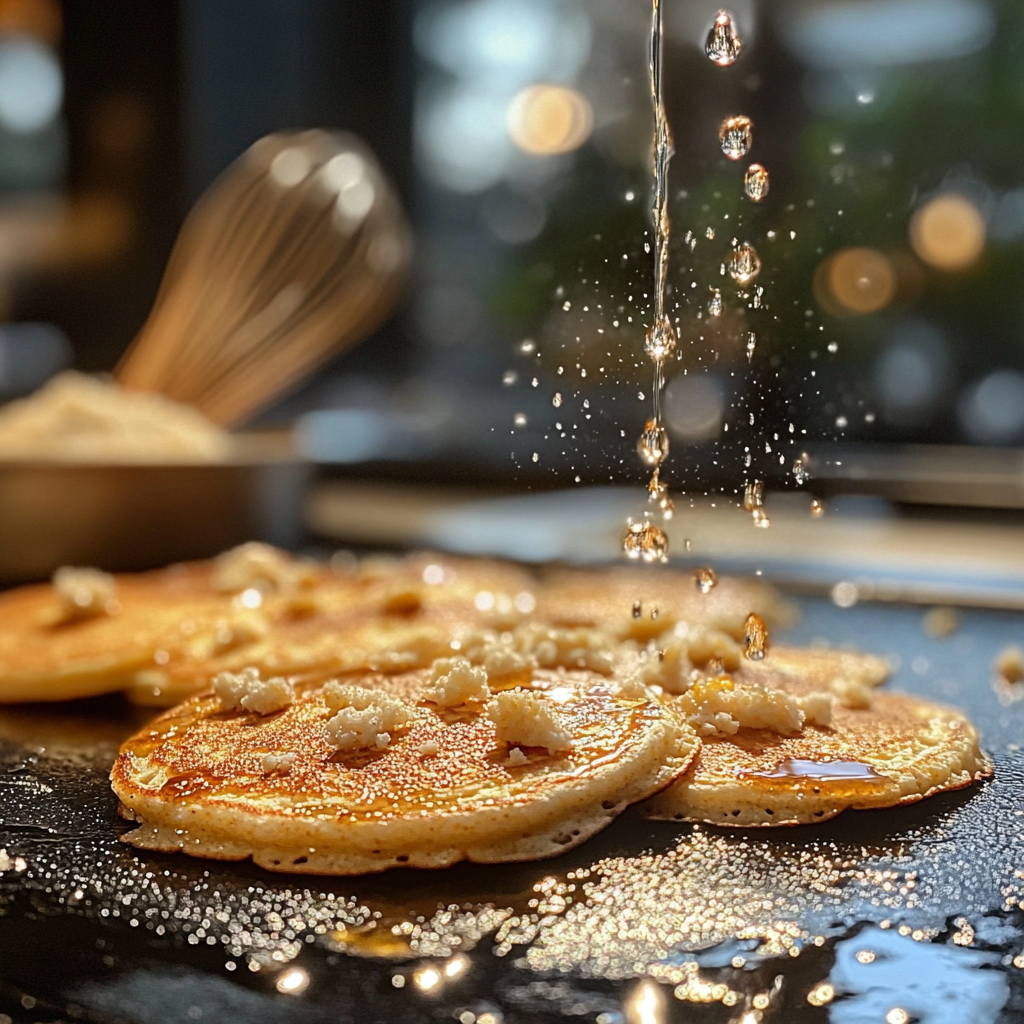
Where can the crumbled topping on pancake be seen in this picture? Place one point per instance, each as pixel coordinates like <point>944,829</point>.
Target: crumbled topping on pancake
<point>716,707</point>
<point>516,758</point>
<point>85,593</point>
<point>246,690</point>
<point>428,749</point>
<point>524,719</point>
<point>259,567</point>
<point>850,692</point>
<point>243,628</point>
<point>365,718</point>
<point>457,681</point>
<point>535,645</point>
<point>278,763</point>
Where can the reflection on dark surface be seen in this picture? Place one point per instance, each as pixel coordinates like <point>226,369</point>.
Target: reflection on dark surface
<point>916,908</point>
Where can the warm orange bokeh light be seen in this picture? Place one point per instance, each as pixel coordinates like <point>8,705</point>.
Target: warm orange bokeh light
<point>948,232</point>
<point>857,280</point>
<point>545,120</point>
<point>39,18</point>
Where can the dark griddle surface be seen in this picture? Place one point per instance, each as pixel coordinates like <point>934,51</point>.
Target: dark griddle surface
<point>92,930</point>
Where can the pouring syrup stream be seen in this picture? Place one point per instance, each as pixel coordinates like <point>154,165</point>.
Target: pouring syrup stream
<point>650,542</point>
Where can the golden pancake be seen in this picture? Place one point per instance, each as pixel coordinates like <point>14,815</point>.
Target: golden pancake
<point>383,614</point>
<point>897,751</point>
<point>48,655</point>
<point>443,788</point>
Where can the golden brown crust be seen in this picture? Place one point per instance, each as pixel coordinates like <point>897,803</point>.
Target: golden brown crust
<point>899,750</point>
<point>194,780</point>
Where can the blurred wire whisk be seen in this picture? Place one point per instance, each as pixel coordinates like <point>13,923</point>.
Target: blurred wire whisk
<point>297,251</point>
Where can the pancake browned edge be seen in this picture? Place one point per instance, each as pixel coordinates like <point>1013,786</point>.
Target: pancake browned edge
<point>896,751</point>
<point>194,780</point>
<point>46,656</point>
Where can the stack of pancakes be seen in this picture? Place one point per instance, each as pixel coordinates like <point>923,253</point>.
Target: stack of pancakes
<point>511,714</point>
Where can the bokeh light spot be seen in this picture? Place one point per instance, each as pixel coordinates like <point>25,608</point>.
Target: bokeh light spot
<point>948,232</point>
<point>546,120</point>
<point>860,280</point>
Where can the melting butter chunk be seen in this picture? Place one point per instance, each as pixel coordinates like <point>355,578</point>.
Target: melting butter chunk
<point>85,593</point>
<point>365,719</point>
<point>524,719</point>
<point>456,681</point>
<point>245,690</point>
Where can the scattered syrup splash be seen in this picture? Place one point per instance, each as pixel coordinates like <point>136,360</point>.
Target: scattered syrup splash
<point>800,471</point>
<point>737,136</point>
<point>723,45</point>
<point>715,303</point>
<point>755,644</point>
<point>751,345</point>
<point>638,609</point>
<point>744,264</point>
<point>755,182</point>
<point>705,580</point>
<point>645,541</point>
<point>817,509</point>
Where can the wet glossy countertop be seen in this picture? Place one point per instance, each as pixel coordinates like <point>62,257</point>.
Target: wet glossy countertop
<point>886,916</point>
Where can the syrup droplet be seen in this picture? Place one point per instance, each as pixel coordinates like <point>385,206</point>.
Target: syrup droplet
<point>751,345</point>
<point>761,519</point>
<point>756,639</point>
<point>637,609</point>
<point>653,444</point>
<point>737,136</point>
<point>723,46</point>
<point>755,182</point>
<point>657,494</point>
<point>660,342</point>
<point>556,400</point>
<point>800,472</point>
<point>744,264</point>
<point>715,303</point>
<point>645,540</point>
<point>753,495</point>
<point>817,509</point>
<point>709,233</point>
<point>705,580</point>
